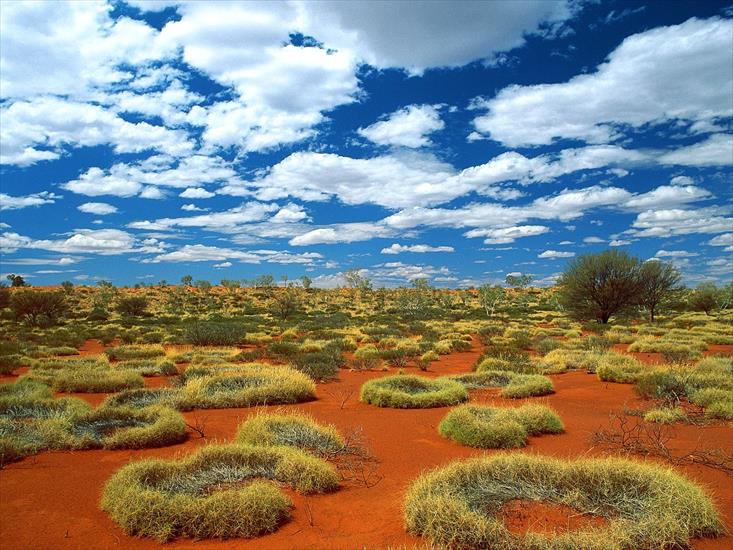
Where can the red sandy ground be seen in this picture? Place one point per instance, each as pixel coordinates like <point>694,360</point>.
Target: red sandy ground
<point>51,500</point>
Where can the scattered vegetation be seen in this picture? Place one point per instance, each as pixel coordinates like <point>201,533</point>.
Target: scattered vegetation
<point>412,392</point>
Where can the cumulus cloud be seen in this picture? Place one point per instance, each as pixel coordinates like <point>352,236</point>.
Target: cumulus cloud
<point>408,127</point>
<point>632,88</point>
<point>397,248</point>
<point>105,242</point>
<point>554,254</point>
<point>196,193</point>
<point>98,208</point>
<point>8,202</point>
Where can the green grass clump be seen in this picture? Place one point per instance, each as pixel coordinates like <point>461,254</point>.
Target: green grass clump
<point>87,379</point>
<point>128,428</point>
<point>214,333</point>
<point>244,386</point>
<point>665,415</point>
<point>142,351</point>
<point>32,421</point>
<point>148,367</point>
<point>514,386</point>
<point>561,360</point>
<point>142,397</point>
<point>292,430</point>
<point>220,491</point>
<point>615,367</point>
<point>412,392</point>
<point>498,427</point>
<point>646,506</point>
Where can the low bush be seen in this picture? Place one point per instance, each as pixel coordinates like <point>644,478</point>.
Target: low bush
<point>214,333</point>
<point>412,392</point>
<point>320,365</point>
<point>217,492</point>
<point>143,351</point>
<point>244,386</point>
<point>38,308</point>
<point>91,379</point>
<point>665,415</point>
<point>148,367</point>
<point>292,430</point>
<point>498,427</point>
<point>366,357</point>
<point>615,367</point>
<point>645,505</point>
<point>513,385</point>
<point>561,360</point>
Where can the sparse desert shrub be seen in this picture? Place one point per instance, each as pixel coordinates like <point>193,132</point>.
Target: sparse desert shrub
<point>645,506</point>
<point>145,351</point>
<point>661,383</point>
<point>143,397</point>
<point>665,415</point>
<point>90,379</point>
<point>148,367</point>
<point>412,392</point>
<point>513,385</point>
<point>133,306</point>
<point>214,333</point>
<point>546,345</point>
<point>8,363</point>
<point>615,367</point>
<point>217,492</point>
<point>321,365</point>
<point>366,357</point>
<point>561,360</point>
<point>38,308</point>
<point>292,430</point>
<point>245,386</point>
<point>498,427</point>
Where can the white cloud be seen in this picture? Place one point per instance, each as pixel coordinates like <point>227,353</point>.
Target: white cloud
<point>633,87</point>
<point>56,123</point>
<point>593,240</point>
<point>675,254</point>
<point>619,242</point>
<point>717,150</point>
<point>98,208</point>
<point>506,235</point>
<point>196,193</point>
<point>104,241</point>
<point>421,34</point>
<point>202,253</point>
<point>226,221</point>
<point>342,233</point>
<point>666,196</point>
<point>726,240</point>
<point>8,202</point>
<point>397,248</point>
<point>667,223</point>
<point>193,208</point>
<point>408,127</point>
<point>553,254</point>
<point>223,265</point>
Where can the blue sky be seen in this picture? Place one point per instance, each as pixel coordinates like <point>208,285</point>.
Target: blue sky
<point>459,141</point>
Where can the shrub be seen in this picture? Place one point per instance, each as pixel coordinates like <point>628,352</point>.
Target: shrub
<point>546,345</point>
<point>87,379</point>
<point>145,351</point>
<point>366,357</point>
<point>412,392</point>
<point>646,506</point>
<point>661,383</point>
<point>319,366</point>
<point>214,333</point>
<point>615,367</point>
<point>560,360</point>
<point>38,308</point>
<point>133,306</point>
<point>206,495</point>
<point>665,415</point>
<point>292,430</point>
<point>498,428</point>
<point>513,385</point>
<point>148,367</point>
<point>244,386</point>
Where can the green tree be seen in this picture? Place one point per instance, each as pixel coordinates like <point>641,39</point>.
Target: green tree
<point>306,281</point>
<point>285,303</point>
<point>658,281</point>
<point>518,281</point>
<point>598,286</point>
<point>489,296</point>
<point>16,281</point>
<point>705,298</point>
<point>133,306</point>
<point>68,286</point>
<point>186,280</point>
<point>38,308</point>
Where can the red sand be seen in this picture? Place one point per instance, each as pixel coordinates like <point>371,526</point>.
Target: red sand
<point>51,500</point>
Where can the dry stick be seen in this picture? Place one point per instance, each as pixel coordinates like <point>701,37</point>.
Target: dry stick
<point>646,439</point>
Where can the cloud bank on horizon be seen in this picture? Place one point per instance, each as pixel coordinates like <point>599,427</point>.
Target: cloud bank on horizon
<point>456,141</point>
